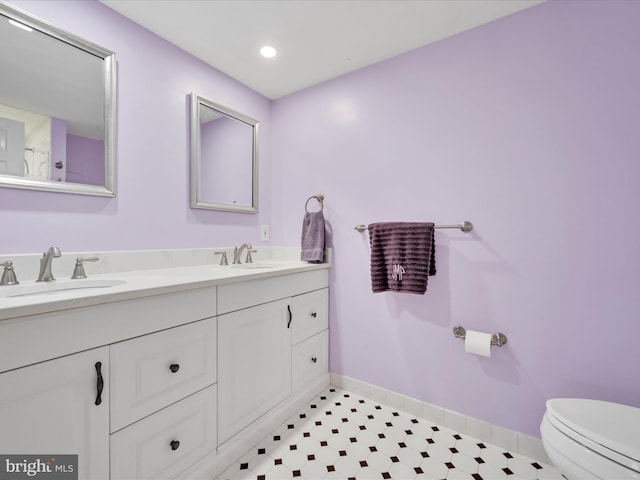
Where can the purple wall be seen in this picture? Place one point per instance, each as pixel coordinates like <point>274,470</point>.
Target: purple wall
<point>151,209</point>
<point>58,150</point>
<point>85,160</point>
<point>528,127</point>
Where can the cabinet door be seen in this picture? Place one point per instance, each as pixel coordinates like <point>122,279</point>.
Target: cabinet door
<point>50,408</point>
<point>254,364</point>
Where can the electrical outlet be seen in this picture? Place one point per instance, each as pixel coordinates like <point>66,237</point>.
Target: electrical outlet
<point>264,233</point>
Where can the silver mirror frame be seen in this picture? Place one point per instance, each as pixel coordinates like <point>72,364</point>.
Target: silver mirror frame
<point>109,102</point>
<point>196,197</point>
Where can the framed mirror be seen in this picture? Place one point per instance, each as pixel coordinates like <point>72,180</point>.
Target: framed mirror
<point>57,108</point>
<point>224,158</point>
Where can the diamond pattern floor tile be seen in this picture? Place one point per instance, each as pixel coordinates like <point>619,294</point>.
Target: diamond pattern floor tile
<point>343,436</point>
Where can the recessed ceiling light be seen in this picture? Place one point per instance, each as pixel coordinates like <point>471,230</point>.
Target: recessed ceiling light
<point>268,52</point>
<point>20,25</point>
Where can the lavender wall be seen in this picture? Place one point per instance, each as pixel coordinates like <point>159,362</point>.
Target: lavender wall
<point>527,127</point>
<point>58,150</point>
<point>151,209</point>
<point>84,160</point>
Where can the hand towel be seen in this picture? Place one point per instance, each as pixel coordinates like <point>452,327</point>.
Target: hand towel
<point>402,256</point>
<point>313,237</point>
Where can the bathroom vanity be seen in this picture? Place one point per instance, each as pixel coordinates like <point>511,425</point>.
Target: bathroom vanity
<point>168,374</point>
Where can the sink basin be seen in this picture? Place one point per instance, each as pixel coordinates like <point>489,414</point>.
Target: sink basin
<point>250,266</point>
<point>36,288</point>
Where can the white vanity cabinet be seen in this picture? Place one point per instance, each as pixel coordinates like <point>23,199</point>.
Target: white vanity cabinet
<point>59,406</point>
<point>56,365</point>
<point>166,384</point>
<point>258,323</point>
<point>254,364</point>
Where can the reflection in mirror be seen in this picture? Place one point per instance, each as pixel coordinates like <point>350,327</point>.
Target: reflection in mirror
<point>57,109</point>
<point>224,158</point>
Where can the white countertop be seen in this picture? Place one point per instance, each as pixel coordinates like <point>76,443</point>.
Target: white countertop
<point>143,283</point>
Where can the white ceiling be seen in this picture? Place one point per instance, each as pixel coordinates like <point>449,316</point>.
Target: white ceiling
<point>316,39</point>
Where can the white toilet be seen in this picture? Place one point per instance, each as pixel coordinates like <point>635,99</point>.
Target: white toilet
<point>592,439</point>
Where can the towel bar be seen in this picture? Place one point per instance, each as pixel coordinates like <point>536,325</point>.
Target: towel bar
<point>497,339</point>
<point>465,226</point>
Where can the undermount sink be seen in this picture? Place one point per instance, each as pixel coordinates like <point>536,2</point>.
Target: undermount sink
<point>249,266</point>
<point>43,288</point>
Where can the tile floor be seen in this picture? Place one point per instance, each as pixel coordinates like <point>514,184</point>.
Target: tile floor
<point>341,435</point>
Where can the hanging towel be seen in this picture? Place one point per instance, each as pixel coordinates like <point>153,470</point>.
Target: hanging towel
<point>402,256</point>
<point>313,237</point>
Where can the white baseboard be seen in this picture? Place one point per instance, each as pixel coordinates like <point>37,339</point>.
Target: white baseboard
<point>485,431</point>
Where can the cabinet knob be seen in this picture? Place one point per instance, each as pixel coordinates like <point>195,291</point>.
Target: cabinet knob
<point>314,314</point>
<point>174,367</point>
<point>314,359</point>
<point>175,444</point>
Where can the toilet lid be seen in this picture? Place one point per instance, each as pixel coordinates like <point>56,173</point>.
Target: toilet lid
<point>610,428</point>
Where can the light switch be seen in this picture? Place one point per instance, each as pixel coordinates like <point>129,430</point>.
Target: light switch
<point>264,233</point>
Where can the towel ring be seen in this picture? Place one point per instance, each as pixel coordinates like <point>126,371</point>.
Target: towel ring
<point>319,198</point>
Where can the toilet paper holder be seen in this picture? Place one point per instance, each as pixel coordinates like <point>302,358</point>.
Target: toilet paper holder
<point>497,339</point>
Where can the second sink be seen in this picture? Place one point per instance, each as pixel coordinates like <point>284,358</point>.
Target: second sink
<point>249,266</point>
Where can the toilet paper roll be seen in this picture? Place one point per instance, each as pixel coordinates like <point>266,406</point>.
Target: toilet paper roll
<point>478,343</point>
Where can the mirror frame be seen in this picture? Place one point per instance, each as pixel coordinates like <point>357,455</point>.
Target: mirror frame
<point>109,110</point>
<point>196,198</point>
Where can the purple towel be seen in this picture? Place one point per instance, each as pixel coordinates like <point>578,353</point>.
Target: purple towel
<point>313,237</point>
<point>402,256</point>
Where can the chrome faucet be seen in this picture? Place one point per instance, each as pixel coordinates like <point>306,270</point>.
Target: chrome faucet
<point>8,275</point>
<point>45,274</point>
<point>237,251</point>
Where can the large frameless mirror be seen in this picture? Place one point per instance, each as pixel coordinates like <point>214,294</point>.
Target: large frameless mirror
<point>224,158</point>
<point>57,108</point>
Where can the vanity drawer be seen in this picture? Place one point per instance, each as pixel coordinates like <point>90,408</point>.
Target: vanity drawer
<point>168,442</point>
<point>310,360</point>
<point>236,296</point>
<point>153,371</point>
<point>309,314</point>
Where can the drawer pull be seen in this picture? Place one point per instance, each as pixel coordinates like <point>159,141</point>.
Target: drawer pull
<point>100,385</point>
<point>314,359</point>
<point>314,314</point>
<point>290,316</point>
<point>175,444</point>
<point>174,367</point>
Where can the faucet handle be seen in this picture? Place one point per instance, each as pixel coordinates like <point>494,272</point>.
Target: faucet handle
<point>8,275</point>
<point>223,259</point>
<point>78,271</point>
<point>249,258</point>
